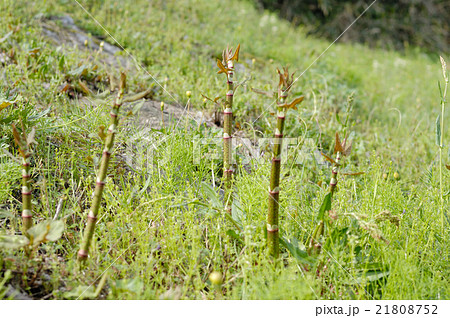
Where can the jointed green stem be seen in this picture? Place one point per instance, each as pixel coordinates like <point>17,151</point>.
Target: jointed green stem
<point>100,183</point>
<point>226,66</point>
<point>341,150</point>
<point>274,190</point>
<point>26,195</point>
<point>227,137</point>
<point>24,142</point>
<point>285,83</point>
<point>334,173</point>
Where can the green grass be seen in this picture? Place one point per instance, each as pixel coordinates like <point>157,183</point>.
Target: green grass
<point>159,234</point>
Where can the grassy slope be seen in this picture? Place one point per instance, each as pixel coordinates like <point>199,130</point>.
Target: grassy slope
<point>396,106</point>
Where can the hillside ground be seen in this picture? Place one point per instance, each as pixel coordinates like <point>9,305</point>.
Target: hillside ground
<point>161,230</point>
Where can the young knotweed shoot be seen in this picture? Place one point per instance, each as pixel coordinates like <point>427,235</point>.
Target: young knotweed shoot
<point>226,66</point>
<point>341,150</point>
<point>284,85</point>
<point>24,143</point>
<point>100,183</point>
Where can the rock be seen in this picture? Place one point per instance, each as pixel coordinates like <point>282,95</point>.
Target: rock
<point>64,31</point>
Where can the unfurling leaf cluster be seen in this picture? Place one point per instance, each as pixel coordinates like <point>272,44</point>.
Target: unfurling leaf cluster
<point>227,55</point>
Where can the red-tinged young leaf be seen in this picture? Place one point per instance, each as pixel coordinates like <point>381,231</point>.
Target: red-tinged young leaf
<point>236,53</point>
<point>282,79</point>
<point>16,135</point>
<point>286,75</point>
<point>338,145</point>
<point>285,80</point>
<point>447,166</point>
<point>295,102</point>
<point>20,141</point>
<point>65,88</point>
<point>292,78</point>
<point>222,68</point>
<point>329,159</point>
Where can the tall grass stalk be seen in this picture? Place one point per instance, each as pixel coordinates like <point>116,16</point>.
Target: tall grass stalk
<point>100,183</point>
<point>440,132</point>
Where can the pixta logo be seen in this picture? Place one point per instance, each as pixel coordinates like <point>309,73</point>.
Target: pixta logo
<point>144,150</point>
<point>247,151</point>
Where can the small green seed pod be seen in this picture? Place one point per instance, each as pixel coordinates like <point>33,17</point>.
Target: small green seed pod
<point>216,278</point>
